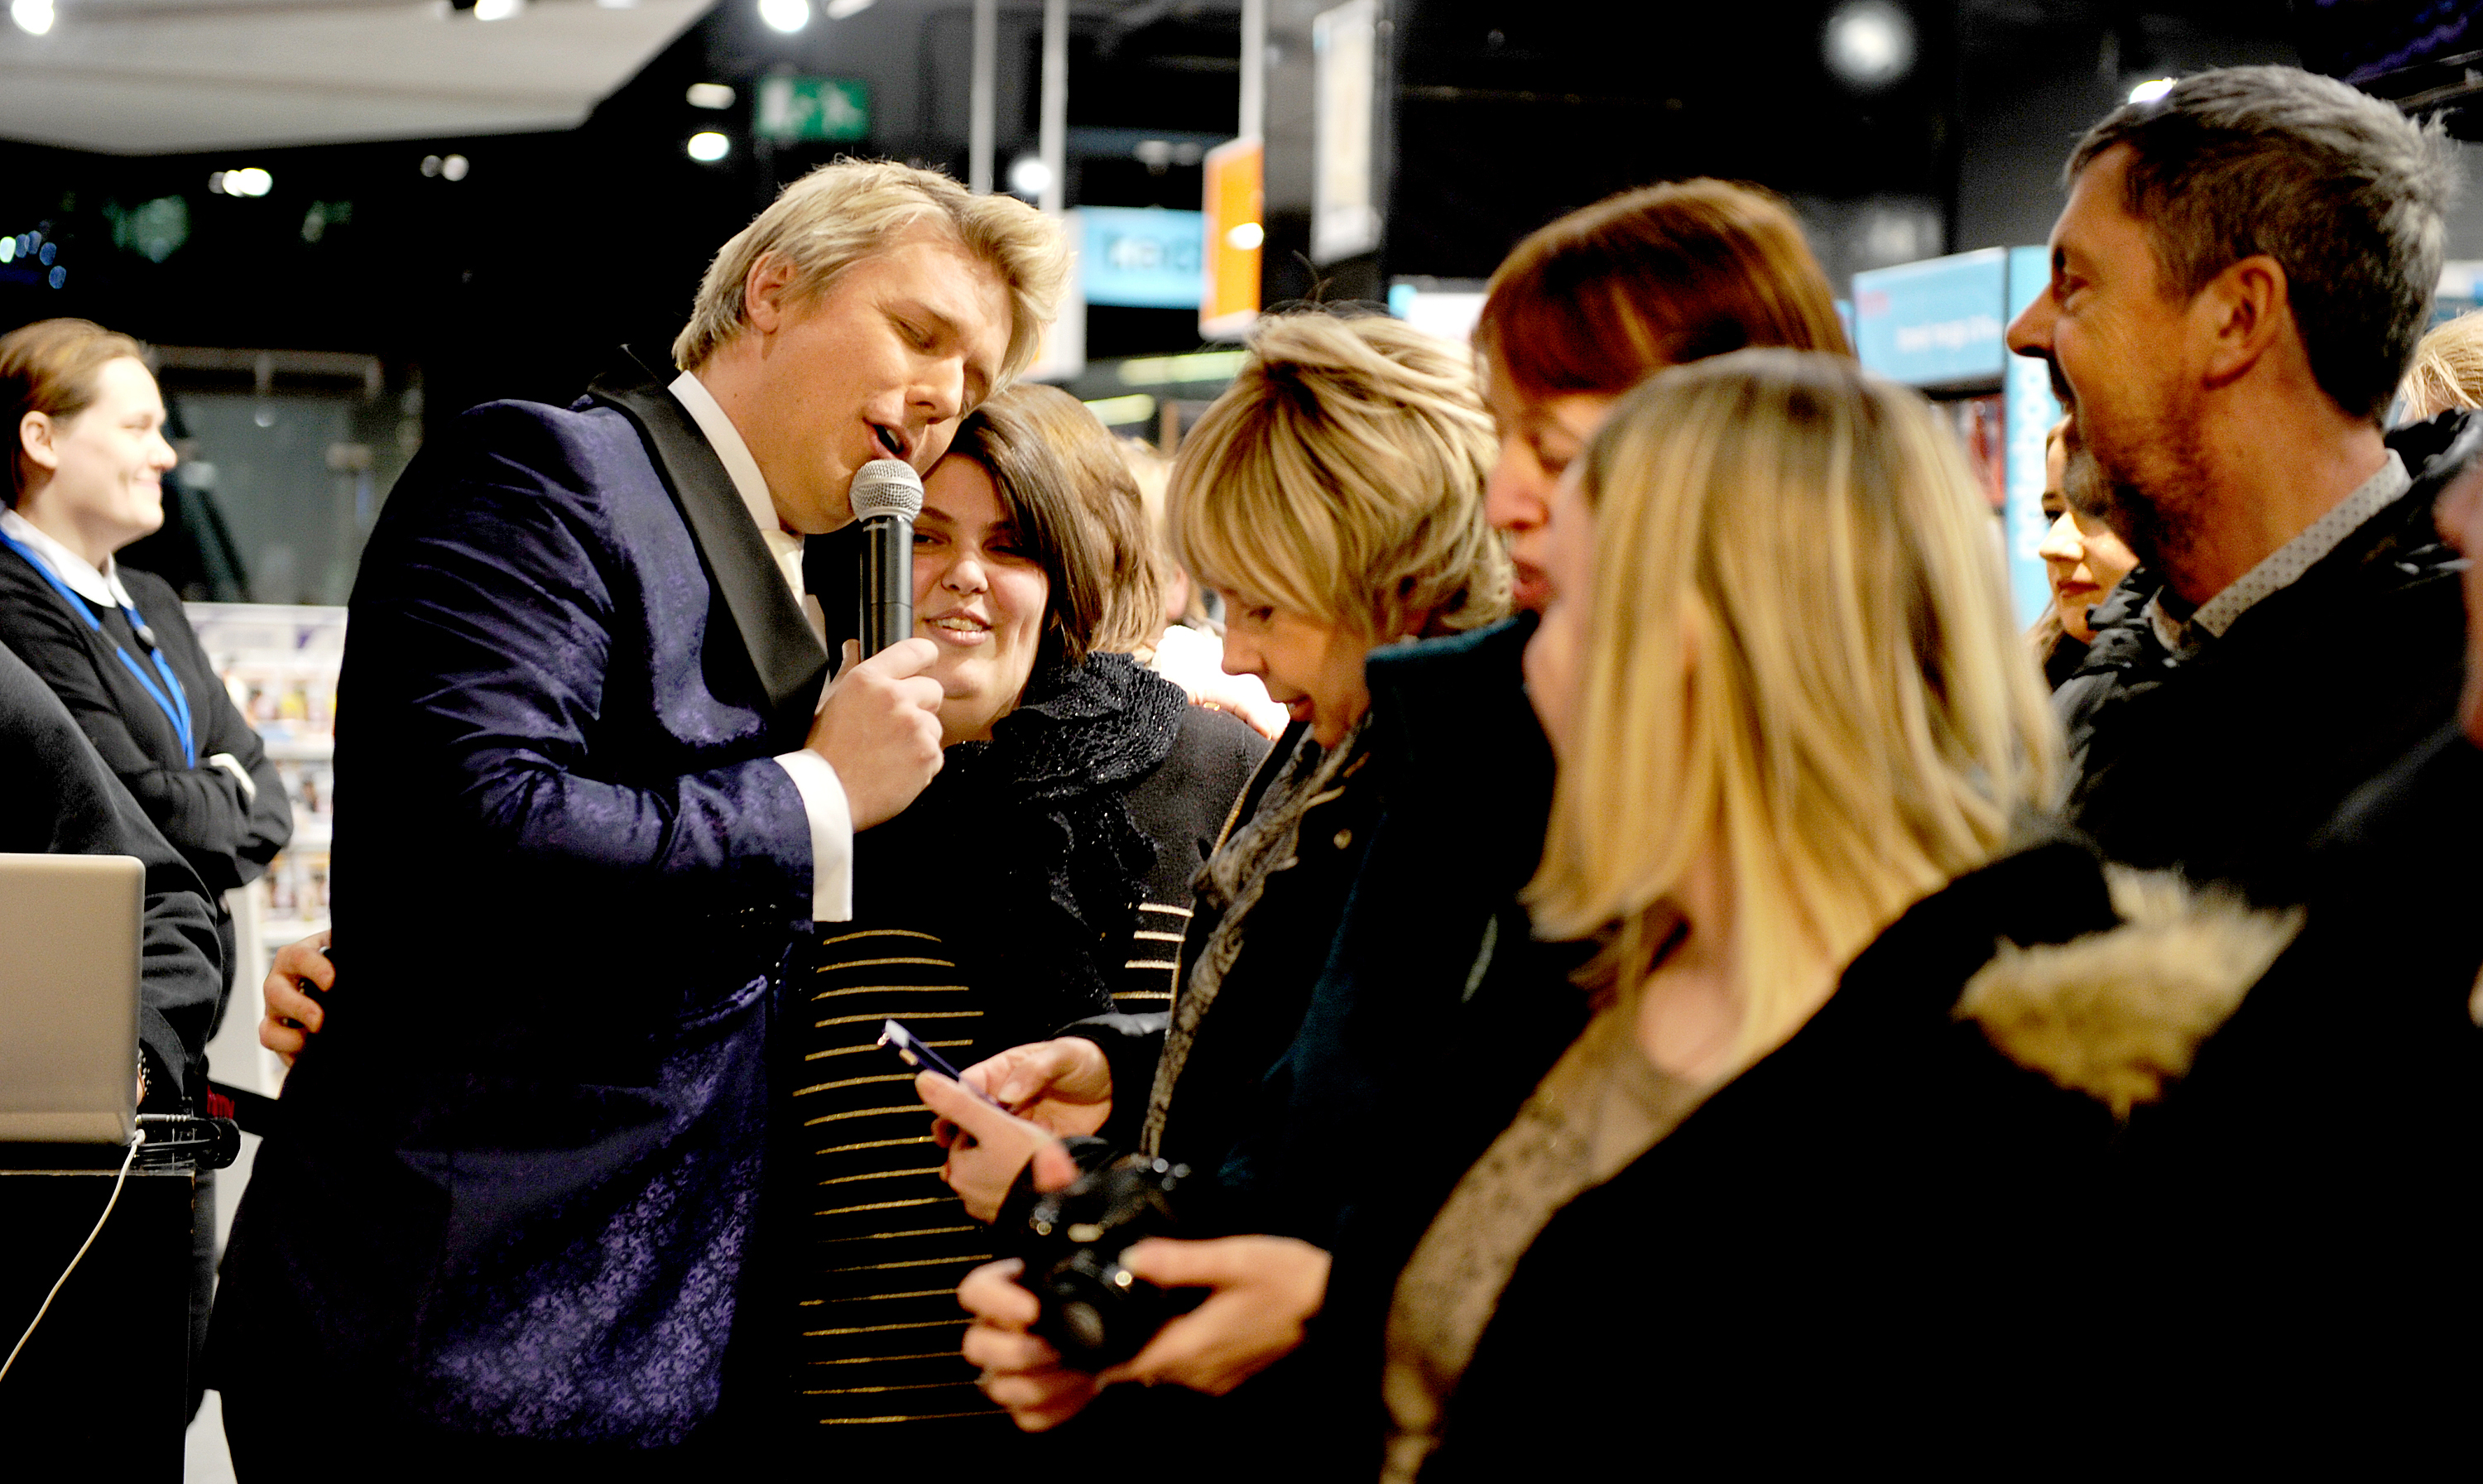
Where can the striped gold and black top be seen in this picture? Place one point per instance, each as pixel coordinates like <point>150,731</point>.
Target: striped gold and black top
<point>877,1243</point>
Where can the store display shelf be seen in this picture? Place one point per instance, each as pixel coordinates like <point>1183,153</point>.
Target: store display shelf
<point>317,748</point>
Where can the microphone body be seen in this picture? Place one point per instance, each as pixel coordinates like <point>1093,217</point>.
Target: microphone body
<point>886,496</point>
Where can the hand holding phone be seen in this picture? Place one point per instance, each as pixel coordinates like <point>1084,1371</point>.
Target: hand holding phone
<point>910,1049</point>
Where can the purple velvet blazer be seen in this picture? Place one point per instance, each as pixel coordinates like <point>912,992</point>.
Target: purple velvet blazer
<point>515,1175</point>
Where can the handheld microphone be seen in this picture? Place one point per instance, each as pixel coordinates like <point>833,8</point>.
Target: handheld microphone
<point>886,496</point>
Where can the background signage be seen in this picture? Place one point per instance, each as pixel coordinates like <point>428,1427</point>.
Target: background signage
<point>1934,324</point>
<point>812,108</point>
<point>1232,238</point>
<point>2029,412</point>
<point>1144,257</point>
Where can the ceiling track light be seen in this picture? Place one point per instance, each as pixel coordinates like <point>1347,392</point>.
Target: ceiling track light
<point>35,17</point>
<point>784,15</point>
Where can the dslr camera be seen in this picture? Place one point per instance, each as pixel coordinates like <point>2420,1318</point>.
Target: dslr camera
<point>1097,1313</point>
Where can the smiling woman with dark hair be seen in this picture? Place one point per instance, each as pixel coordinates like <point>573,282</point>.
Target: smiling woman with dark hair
<point>1043,878</point>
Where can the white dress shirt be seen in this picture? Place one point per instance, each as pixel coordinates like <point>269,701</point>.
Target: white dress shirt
<point>823,794</point>
<point>103,587</point>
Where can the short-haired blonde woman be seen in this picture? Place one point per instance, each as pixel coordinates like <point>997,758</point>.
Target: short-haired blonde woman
<point>1769,1182</point>
<point>1334,498</point>
<point>2447,370</point>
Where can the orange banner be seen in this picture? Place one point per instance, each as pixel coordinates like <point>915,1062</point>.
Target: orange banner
<point>1235,202</point>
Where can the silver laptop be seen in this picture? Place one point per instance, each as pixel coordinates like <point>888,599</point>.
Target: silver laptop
<point>69,931</point>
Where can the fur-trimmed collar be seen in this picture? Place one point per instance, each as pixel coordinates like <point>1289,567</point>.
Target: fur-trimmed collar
<point>2119,1014</point>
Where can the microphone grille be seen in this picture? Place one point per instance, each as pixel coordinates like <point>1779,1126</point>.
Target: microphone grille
<point>887,487</point>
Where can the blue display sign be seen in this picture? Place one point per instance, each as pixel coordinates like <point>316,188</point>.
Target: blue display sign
<point>2027,412</point>
<point>1143,257</point>
<point>1934,324</point>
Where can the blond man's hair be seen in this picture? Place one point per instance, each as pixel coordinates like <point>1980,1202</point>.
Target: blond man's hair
<point>840,214</point>
<point>1801,658</point>
<point>1341,477</point>
<point>2447,370</point>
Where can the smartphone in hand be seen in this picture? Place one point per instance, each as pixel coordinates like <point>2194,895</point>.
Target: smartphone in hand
<point>910,1049</point>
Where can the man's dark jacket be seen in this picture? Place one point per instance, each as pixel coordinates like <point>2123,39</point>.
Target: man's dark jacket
<point>61,800</point>
<point>2226,763</point>
<point>516,1172</point>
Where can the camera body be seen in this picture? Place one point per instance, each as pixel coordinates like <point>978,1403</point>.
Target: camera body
<point>1096,1312</point>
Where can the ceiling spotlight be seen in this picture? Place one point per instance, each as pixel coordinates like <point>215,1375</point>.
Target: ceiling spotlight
<point>33,16</point>
<point>2151,89</point>
<point>251,181</point>
<point>454,167</point>
<point>785,15</point>
<point>1028,175</point>
<point>429,166</point>
<point>498,10</point>
<point>710,95</point>
<point>706,147</point>
<point>838,9</point>
<point>1870,43</point>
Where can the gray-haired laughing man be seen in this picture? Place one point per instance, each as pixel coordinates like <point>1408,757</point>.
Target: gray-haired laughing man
<point>2238,278</point>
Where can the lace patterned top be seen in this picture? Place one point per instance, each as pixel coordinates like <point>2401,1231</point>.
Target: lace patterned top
<point>1601,1108</point>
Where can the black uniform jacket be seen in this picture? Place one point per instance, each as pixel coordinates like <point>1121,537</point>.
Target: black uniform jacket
<point>61,800</point>
<point>228,833</point>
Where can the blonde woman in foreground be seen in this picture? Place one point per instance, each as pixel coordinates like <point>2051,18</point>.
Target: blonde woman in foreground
<point>1801,758</point>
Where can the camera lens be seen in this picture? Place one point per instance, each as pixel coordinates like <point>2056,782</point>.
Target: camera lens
<point>1083,1323</point>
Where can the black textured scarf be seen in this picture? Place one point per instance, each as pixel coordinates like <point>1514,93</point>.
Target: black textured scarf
<point>1022,855</point>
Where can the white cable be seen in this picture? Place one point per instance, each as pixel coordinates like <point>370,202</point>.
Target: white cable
<point>116,1182</point>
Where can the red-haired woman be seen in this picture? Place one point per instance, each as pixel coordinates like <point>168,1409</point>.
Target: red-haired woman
<point>1367,1123</point>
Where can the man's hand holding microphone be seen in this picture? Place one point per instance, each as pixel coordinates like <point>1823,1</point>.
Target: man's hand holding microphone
<point>879,723</point>
<point>879,727</point>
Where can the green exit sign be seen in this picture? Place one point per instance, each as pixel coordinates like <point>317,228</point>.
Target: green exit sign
<point>812,108</point>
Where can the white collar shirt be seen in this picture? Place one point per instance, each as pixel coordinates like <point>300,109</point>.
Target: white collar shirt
<point>823,794</point>
<point>95,587</point>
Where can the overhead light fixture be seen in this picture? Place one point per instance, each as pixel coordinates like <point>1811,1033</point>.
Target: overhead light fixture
<point>785,15</point>
<point>1870,43</point>
<point>1123,411</point>
<point>33,16</point>
<point>250,182</point>
<point>498,10</point>
<point>706,147</point>
<point>454,167</point>
<point>710,95</point>
<point>1028,175</point>
<point>2151,89</point>
<point>838,9</point>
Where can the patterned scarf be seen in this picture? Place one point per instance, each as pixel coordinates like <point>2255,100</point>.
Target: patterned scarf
<point>1035,825</point>
<point>1234,881</point>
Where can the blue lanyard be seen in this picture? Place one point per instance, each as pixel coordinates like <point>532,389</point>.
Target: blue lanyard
<point>169,697</point>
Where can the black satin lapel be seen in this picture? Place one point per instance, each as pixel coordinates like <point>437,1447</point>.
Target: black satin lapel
<point>791,666</point>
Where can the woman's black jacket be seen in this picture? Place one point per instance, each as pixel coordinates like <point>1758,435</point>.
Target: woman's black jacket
<point>1854,1243</point>
<point>228,834</point>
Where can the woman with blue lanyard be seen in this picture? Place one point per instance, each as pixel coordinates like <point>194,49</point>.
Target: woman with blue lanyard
<point>86,479</point>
